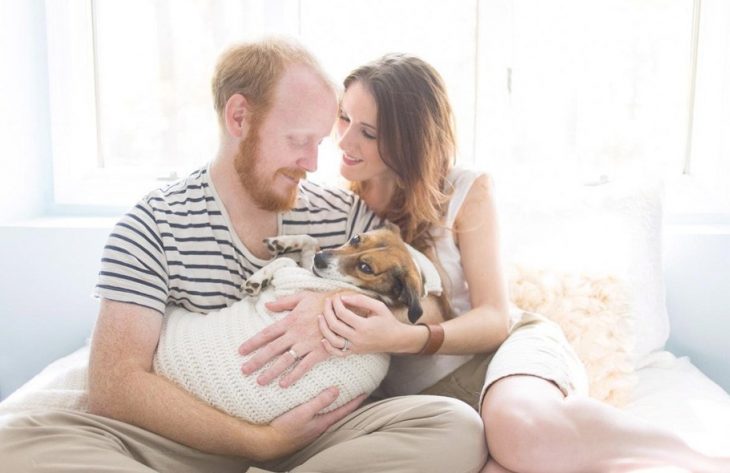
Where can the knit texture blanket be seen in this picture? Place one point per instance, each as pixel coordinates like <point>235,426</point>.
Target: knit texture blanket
<point>200,353</point>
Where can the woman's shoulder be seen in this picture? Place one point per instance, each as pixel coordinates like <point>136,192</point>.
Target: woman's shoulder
<point>466,182</point>
<point>464,177</point>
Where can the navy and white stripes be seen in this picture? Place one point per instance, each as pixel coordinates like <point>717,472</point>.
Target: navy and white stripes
<point>176,246</point>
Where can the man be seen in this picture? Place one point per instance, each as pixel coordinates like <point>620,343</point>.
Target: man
<point>193,244</point>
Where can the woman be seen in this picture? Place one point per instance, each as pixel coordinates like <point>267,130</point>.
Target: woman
<point>396,133</point>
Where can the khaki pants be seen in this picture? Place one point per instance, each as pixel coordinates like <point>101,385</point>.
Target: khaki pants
<point>405,434</point>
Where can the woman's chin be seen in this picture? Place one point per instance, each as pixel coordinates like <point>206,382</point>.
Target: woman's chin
<point>350,172</point>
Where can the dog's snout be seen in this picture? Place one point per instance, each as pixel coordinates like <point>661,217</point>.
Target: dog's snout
<point>320,260</point>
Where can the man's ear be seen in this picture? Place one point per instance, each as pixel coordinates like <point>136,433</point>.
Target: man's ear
<point>408,291</point>
<point>236,116</point>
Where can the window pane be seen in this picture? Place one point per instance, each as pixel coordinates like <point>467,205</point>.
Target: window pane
<point>591,87</point>
<point>153,85</point>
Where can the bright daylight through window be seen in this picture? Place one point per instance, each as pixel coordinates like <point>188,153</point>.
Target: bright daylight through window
<point>593,90</point>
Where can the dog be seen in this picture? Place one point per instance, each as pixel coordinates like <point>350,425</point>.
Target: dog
<point>200,352</point>
<point>378,263</point>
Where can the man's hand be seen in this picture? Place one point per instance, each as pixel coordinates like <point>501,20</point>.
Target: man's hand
<point>297,334</point>
<point>302,425</point>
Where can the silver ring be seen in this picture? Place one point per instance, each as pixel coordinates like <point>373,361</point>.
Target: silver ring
<point>293,354</point>
<point>346,346</point>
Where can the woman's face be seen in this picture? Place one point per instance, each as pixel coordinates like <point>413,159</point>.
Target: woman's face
<point>357,136</point>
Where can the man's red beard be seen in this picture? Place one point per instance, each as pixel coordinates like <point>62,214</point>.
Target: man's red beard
<point>259,187</point>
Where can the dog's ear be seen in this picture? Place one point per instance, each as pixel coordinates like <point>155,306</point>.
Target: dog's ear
<point>385,224</point>
<point>408,291</point>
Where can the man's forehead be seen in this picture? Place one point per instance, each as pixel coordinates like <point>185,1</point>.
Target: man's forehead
<point>304,102</point>
<point>300,82</point>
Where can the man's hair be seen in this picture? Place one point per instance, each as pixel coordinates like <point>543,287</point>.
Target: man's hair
<point>416,139</point>
<point>253,69</point>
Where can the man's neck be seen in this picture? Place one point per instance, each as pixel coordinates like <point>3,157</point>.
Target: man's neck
<point>251,223</point>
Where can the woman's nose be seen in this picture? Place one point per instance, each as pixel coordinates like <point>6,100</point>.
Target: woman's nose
<point>344,140</point>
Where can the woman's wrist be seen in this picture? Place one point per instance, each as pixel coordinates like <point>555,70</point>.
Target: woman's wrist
<point>413,339</point>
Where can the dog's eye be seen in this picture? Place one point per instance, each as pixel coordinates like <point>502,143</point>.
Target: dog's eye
<point>354,241</point>
<point>364,267</point>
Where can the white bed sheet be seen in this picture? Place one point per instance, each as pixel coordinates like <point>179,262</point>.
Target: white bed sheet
<point>671,393</point>
<point>675,394</point>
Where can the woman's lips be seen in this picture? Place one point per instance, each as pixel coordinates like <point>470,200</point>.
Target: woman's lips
<point>350,161</point>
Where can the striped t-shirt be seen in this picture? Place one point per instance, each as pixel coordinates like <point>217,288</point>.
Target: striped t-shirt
<point>177,246</point>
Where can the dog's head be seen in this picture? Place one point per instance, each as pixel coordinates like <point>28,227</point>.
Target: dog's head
<point>377,262</point>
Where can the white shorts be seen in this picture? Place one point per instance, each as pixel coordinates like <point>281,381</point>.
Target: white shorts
<point>536,346</point>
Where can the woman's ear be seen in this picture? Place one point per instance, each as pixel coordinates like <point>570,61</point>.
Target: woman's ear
<point>236,116</point>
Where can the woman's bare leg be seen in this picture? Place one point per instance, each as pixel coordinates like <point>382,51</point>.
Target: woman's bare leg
<point>531,427</point>
<point>494,467</point>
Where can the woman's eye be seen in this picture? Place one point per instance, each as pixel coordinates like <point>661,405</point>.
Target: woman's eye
<point>364,267</point>
<point>344,118</point>
<point>354,241</point>
<point>368,135</point>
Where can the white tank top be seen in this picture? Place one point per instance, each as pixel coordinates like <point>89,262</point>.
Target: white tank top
<point>409,374</point>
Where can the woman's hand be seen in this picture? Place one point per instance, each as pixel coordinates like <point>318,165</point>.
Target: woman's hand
<point>303,424</point>
<point>377,330</point>
<point>295,340</point>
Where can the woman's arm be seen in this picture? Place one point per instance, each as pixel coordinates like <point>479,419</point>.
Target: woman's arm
<point>482,329</point>
<point>486,325</point>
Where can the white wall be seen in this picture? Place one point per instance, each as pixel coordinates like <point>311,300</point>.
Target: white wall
<point>697,269</point>
<point>46,307</point>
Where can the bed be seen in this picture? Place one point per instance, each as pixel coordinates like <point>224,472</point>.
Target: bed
<point>589,253</point>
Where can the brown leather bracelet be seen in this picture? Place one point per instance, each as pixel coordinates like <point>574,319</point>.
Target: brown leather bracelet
<point>435,339</point>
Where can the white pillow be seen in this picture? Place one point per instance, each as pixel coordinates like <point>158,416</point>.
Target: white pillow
<point>612,228</point>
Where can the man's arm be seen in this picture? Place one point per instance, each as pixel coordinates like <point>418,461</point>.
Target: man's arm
<point>122,386</point>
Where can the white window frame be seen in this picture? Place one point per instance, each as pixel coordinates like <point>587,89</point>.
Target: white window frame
<point>78,178</point>
<point>74,134</point>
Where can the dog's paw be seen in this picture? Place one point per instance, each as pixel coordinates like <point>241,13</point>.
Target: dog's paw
<point>254,285</point>
<point>277,246</point>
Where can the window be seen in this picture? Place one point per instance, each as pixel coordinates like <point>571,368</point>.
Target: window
<point>593,90</point>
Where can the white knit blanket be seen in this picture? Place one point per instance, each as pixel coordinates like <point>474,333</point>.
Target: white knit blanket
<point>200,353</point>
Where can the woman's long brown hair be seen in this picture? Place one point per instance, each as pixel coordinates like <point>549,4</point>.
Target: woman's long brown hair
<point>416,139</point>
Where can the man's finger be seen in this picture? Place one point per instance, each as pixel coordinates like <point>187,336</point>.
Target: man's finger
<point>333,416</point>
<point>268,334</point>
<point>322,400</point>
<point>266,354</point>
<point>281,364</point>
<point>285,303</point>
<point>301,368</point>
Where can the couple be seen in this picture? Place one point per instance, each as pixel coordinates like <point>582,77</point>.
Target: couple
<point>195,242</point>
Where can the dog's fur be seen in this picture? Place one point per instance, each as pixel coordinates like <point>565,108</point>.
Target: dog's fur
<point>377,262</point>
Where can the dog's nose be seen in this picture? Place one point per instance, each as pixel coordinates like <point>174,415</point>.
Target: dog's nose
<point>320,260</point>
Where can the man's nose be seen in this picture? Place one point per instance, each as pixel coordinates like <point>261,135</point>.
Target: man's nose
<point>308,159</point>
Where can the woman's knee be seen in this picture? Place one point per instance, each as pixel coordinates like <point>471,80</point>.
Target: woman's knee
<point>519,412</point>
